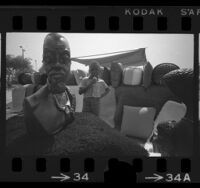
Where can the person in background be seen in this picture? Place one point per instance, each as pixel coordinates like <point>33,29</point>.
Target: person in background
<point>24,78</point>
<point>38,80</point>
<point>93,89</point>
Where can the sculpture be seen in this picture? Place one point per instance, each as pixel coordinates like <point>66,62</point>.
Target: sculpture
<point>51,108</point>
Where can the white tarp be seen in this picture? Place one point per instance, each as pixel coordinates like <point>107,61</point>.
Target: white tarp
<point>127,58</point>
<point>107,107</point>
<point>18,95</point>
<point>171,111</point>
<point>138,121</point>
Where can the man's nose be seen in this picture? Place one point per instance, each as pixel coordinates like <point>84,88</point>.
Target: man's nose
<point>57,63</point>
<point>57,60</point>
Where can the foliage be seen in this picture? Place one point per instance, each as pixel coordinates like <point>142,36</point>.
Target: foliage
<point>15,66</point>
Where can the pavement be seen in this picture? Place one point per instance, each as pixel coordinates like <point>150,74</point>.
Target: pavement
<point>10,112</point>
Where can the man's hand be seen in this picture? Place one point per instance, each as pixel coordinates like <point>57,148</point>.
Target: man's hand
<point>84,89</point>
<point>105,93</point>
<point>94,80</point>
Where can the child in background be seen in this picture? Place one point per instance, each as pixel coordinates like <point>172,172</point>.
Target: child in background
<point>93,89</point>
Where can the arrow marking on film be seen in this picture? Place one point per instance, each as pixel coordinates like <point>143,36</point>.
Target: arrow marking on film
<point>156,177</point>
<point>62,177</point>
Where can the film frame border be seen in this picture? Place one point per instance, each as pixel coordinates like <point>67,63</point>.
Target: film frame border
<point>90,20</point>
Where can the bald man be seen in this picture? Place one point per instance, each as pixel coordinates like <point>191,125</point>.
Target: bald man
<point>51,108</point>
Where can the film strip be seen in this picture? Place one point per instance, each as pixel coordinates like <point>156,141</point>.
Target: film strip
<point>19,26</point>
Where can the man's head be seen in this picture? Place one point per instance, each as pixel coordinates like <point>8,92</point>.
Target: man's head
<point>56,60</point>
<point>24,78</point>
<point>94,69</point>
<point>116,71</point>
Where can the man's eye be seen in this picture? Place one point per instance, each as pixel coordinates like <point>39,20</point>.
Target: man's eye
<point>64,59</point>
<point>48,59</point>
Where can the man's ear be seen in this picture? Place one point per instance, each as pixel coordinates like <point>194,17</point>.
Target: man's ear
<point>70,63</point>
<point>42,69</point>
<point>45,68</point>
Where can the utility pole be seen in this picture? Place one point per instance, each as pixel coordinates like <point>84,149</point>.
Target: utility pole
<point>36,64</point>
<point>23,51</point>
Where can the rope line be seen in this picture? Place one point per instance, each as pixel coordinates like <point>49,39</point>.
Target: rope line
<point>106,53</point>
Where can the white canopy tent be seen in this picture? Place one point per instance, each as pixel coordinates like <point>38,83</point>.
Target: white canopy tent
<point>131,57</point>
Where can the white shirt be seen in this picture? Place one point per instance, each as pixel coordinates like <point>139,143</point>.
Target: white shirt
<point>96,90</point>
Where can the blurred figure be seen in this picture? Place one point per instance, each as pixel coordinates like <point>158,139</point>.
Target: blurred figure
<point>93,89</point>
<point>24,78</point>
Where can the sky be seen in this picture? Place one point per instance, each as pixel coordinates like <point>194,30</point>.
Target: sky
<point>160,48</point>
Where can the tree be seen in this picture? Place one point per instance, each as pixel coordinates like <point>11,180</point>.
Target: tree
<point>16,65</point>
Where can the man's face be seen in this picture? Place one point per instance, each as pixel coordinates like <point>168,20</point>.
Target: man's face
<point>94,71</point>
<point>57,64</point>
<point>27,78</point>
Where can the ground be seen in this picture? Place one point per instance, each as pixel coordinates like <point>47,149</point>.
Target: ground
<point>87,135</point>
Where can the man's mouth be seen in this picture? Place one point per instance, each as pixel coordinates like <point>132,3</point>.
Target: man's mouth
<point>57,74</point>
